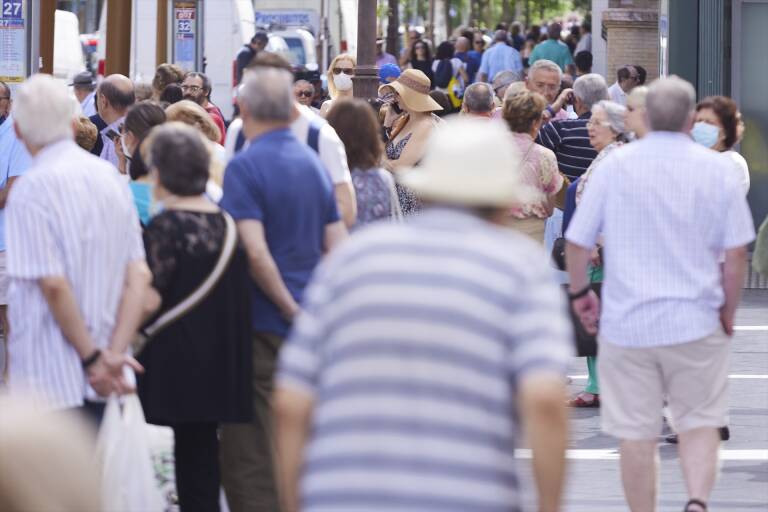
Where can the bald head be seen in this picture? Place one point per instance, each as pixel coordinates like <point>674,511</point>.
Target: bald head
<point>462,44</point>
<point>116,94</point>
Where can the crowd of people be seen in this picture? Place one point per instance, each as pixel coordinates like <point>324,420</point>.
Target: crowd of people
<point>302,368</point>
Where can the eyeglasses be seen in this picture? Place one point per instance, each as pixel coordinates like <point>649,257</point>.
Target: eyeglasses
<point>604,124</point>
<point>305,94</point>
<point>478,42</point>
<point>346,71</point>
<point>191,88</point>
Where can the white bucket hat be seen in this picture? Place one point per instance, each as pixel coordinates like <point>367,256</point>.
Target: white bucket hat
<point>470,162</point>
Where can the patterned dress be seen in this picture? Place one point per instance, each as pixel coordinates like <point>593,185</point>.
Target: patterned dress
<point>376,196</point>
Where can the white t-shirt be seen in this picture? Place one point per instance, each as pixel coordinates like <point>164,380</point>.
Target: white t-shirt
<point>330,148</point>
<point>617,94</point>
<point>740,164</point>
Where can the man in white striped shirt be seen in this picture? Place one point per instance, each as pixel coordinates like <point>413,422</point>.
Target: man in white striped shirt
<point>75,260</point>
<point>668,306</point>
<point>420,346</point>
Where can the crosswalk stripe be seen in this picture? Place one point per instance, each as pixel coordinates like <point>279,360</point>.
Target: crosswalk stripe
<point>736,376</point>
<point>613,454</point>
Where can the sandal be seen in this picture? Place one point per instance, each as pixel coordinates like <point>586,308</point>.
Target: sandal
<point>579,402</point>
<point>694,501</point>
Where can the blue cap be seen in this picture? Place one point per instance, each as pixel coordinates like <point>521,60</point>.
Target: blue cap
<point>388,73</point>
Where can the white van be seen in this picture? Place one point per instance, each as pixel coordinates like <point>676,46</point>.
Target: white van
<point>68,58</point>
<point>229,24</point>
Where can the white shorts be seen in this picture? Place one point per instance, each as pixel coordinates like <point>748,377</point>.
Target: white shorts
<point>634,382</point>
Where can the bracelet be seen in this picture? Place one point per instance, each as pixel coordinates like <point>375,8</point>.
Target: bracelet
<point>88,361</point>
<point>581,293</point>
<point>550,110</point>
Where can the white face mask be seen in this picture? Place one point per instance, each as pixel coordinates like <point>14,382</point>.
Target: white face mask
<point>126,152</point>
<point>342,81</point>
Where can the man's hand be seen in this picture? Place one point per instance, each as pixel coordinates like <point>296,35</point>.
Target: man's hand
<point>562,100</point>
<point>106,375</point>
<point>727,319</point>
<point>587,308</point>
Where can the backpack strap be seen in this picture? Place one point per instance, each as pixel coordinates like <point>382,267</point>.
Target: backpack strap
<point>239,141</point>
<point>200,293</point>
<point>313,137</point>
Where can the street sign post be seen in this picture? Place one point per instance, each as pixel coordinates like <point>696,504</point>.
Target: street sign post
<point>185,33</point>
<point>16,36</point>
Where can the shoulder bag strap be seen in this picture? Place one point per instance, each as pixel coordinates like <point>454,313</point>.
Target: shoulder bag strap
<point>313,136</point>
<point>202,291</point>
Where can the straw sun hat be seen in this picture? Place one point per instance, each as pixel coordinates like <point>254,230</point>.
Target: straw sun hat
<point>413,87</point>
<point>470,162</point>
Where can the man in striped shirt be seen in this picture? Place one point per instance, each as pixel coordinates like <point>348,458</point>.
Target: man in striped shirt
<point>568,138</point>
<point>75,261</point>
<point>420,345</point>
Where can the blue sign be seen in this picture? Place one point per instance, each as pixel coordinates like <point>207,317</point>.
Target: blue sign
<point>12,9</point>
<point>287,18</point>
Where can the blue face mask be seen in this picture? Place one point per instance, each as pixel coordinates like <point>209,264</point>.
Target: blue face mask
<point>705,134</point>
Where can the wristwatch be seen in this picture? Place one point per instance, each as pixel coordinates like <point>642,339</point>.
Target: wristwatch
<point>88,361</point>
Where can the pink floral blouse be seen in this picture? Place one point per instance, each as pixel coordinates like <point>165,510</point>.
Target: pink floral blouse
<point>539,170</point>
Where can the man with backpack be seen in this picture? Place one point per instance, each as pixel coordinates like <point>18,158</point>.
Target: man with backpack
<point>311,129</point>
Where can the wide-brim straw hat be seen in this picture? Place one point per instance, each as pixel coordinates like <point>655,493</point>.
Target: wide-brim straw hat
<point>413,87</point>
<point>470,162</point>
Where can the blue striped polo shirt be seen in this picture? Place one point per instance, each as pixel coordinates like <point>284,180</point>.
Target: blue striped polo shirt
<point>569,140</point>
<point>412,341</point>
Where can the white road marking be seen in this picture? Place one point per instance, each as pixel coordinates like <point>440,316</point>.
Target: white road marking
<point>613,454</point>
<point>734,376</point>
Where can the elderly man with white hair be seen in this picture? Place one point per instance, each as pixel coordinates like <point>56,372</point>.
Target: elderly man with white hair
<point>568,138</point>
<point>75,261</point>
<point>667,312</point>
<point>282,199</point>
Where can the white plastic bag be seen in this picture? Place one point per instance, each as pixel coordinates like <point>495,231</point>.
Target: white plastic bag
<point>128,478</point>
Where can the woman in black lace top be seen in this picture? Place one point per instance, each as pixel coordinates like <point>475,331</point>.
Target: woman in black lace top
<point>197,369</point>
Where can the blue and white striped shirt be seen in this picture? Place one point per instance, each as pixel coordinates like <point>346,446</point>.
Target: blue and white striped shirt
<point>70,215</point>
<point>667,208</point>
<point>569,140</point>
<point>412,341</point>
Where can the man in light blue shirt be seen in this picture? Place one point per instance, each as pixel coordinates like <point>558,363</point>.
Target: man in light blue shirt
<point>114,96</point>
<point>668,302</point>
<point>14,161</point>
<point>553,49</point>
<point>499,57</point>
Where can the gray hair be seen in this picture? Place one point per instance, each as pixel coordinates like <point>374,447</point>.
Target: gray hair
<point>669,104</point>
<point>478,98</point>
<point>44,110</point>
<point>505,78</point>
<point>547,65</point>
<point>615,114</point>
<point>500,35</point>
<point>590,89</point>
<point>267,94</point>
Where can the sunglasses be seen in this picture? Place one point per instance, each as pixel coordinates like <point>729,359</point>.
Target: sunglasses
<point>346,71</point>
<point>478,42</point>
<point>305,94</point>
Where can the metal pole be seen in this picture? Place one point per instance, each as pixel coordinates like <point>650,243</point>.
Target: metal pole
<point>366,74</point>
<point>47,26</point>
<point>161,48</point>
<point>118,37</point>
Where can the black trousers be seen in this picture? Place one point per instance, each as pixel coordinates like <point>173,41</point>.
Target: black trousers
<point>196,450</point>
